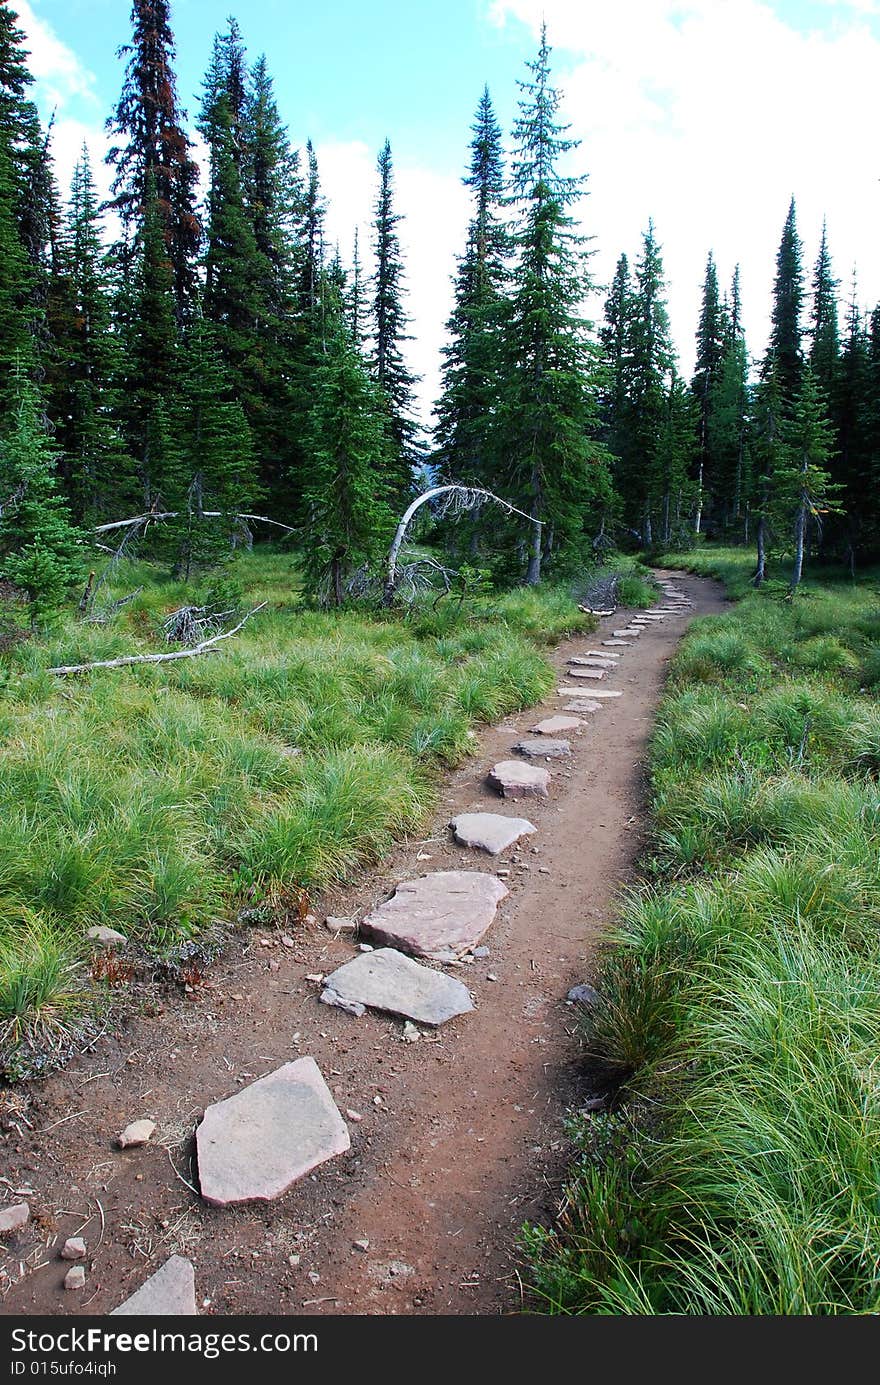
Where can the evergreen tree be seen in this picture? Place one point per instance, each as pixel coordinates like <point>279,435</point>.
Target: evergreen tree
<point>18,263</point>
<point>467,410</point>
<point>152,158</point>
<point>824,335</point>
<point>803,488</point>
<point>82,401</point>
<point>40,550</point>
<point>855,417</point>
<point>548,405</point>
<point>675,451</point>
<point>346,491</point>
<point>784,356</point>
<point>389,329</point>
<point>216,468</point>
<point>651,362</point>
<point>711,336</point>
<point>729,437</point>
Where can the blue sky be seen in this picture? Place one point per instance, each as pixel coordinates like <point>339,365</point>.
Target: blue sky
<point>706,115</point>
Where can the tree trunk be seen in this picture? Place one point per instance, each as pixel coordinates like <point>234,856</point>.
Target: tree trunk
<point>649,537</point>
<point>336,579</point>
<point>800,526</point>
<point>761,569</point>
<point>698,517</point>
<point>533,571</point>
<point>666,517</point>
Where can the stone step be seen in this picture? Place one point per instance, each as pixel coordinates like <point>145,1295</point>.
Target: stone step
<point>598,654</point>
<point>441,915</point>
<point>594,692</point>
<point>513,779</point>
<point>596,674</point>
<point>591,661</point>
<point>619,644</point>
<point>583,706</point>
<point>543,747</point>
<point>492,832</point>
<point>258,1142</point>
<point>551,726</point>
<point>387,980</point>
<point>628,634</point>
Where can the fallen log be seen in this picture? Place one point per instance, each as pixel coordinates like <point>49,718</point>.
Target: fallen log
<point>202,647</point>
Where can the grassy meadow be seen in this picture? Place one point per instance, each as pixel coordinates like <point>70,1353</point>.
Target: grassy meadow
<point>161,800</point>
<point>736,1168</point>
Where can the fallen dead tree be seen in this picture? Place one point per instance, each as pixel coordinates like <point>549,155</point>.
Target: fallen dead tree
<point>203,647</point>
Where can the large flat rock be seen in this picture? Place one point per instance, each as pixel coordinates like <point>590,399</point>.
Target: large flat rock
<point>386,980</point>
<point>596,674</point>
<point>618,644</point>
<point>598,654</point>
<point>543,747</point>
<point>255,1144</point>
<point>492,832</point>
<point>628,633</point>
<point>583,706</point>
<point>170,1292</point>
<point>439,916</point>
<point>513,779</point>
<point>591,661</point>
<point>551,726</point>
<point>594,693</point>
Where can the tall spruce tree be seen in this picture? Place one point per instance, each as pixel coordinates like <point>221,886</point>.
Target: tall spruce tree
<point>346,485</point>
<point>824,333</point>
<point>711,334</point>
<point>151,153</point>
<point>466,432</point>
<point>390,321</point>
<point>803,488</point>
<point>548,403</point>
<point>19,290</point>
<point>729,438</point>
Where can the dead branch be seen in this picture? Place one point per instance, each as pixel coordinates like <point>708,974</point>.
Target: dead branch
<point>203,647</point>
<point>173,514</point>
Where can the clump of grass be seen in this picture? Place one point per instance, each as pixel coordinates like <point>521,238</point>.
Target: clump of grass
<point>737,1170</point>
<point>42,993</point>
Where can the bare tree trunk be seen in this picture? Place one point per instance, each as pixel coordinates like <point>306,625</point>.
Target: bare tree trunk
<point>698,517</point>
<point>760,537</point>
<point>648,533</point>
<point>800,526</point>
<point>533,571</point>
<point>666,517</point>
<point>336,579</point>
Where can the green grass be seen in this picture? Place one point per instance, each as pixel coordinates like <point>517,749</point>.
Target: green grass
<point>737,1169</point>
<point>155,799</point>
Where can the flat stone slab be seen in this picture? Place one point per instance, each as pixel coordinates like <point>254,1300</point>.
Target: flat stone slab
<point>255,1144</point>
<point>597,654</point>
<point>582,706</point>
<point>543,747</point>
<point>618,644</point>
<point>513,779</point>
<point>170,1292</point>
<point>627,634</point>
<point>594,692</point>
<point>551,726</point>
<point>13,1217</point>
<point>441,915</point>
<point>591,661</point>
<point>492,832</point>
<point>597,674</point>
<point>386,980</point>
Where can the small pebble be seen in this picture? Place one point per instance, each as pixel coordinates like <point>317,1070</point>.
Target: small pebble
<point>74,1248</point>
<point>75,1277</point>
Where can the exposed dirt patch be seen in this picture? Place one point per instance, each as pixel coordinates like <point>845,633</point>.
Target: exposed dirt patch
<point>460,1138</point>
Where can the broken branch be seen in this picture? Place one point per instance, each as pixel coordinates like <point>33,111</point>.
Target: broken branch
<point>126,659</point>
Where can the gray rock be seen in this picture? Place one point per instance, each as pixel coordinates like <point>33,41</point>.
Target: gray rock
<point>543,747</point>
<point>614,659</point>
<point>74,1248</point>
<point>619,644</point>
<point>584,995</point>
<point>482,951</point>
<point>340,925</point>
<point>597,674</point>
<point>136,1134</point>
<point>170,1292</point>
<point>75,1277</point>
<point>601,693</point>
<point>628,633</point>
<point>107,937</point>
<point>551,726</point>
<point>591,661</point>
<point>513,779</point>
<point>255,1144</point>
<point>588,706</point>
<point>490,831</point>
<point>386,980</point>
<point>14,1217</point>
<point>330,997</point>
<point>439,916</point>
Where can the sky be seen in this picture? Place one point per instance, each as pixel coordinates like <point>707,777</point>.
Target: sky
<point>705,116</point>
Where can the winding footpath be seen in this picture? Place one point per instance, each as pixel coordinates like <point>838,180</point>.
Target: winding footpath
<point>377,1153</point>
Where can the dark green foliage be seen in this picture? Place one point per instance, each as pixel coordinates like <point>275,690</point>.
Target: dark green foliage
<point>40,550</point>
<point>390,321</point>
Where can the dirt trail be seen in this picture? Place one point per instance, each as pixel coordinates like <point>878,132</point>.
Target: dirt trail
<point>460,1139</point>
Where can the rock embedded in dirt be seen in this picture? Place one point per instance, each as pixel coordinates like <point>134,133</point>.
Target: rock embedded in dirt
<point>592,661</point>
<point>513,779</point>
<point>619,644</point>
<point>107,937</point>
<point>490,832</point>
<point>630,632</point>
<point>254,1145</point>
<point>75,1277</point>
<point>138,1133</point>
<point>439,916</point>
<point>601,693</point>
<point>597,674</point>
<point>551,726</point>
<point>170,1292</point>
<point>543,748</point>
<point>74,1248</point>
<point>588,706</point>
<point>14,1217</point>
<point>340,925</point>
<point>386,980</point>
<point>584,995</point>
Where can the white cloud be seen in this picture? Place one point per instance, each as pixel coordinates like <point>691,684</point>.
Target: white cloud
<point>58,73</point>
<point>708,115</point>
